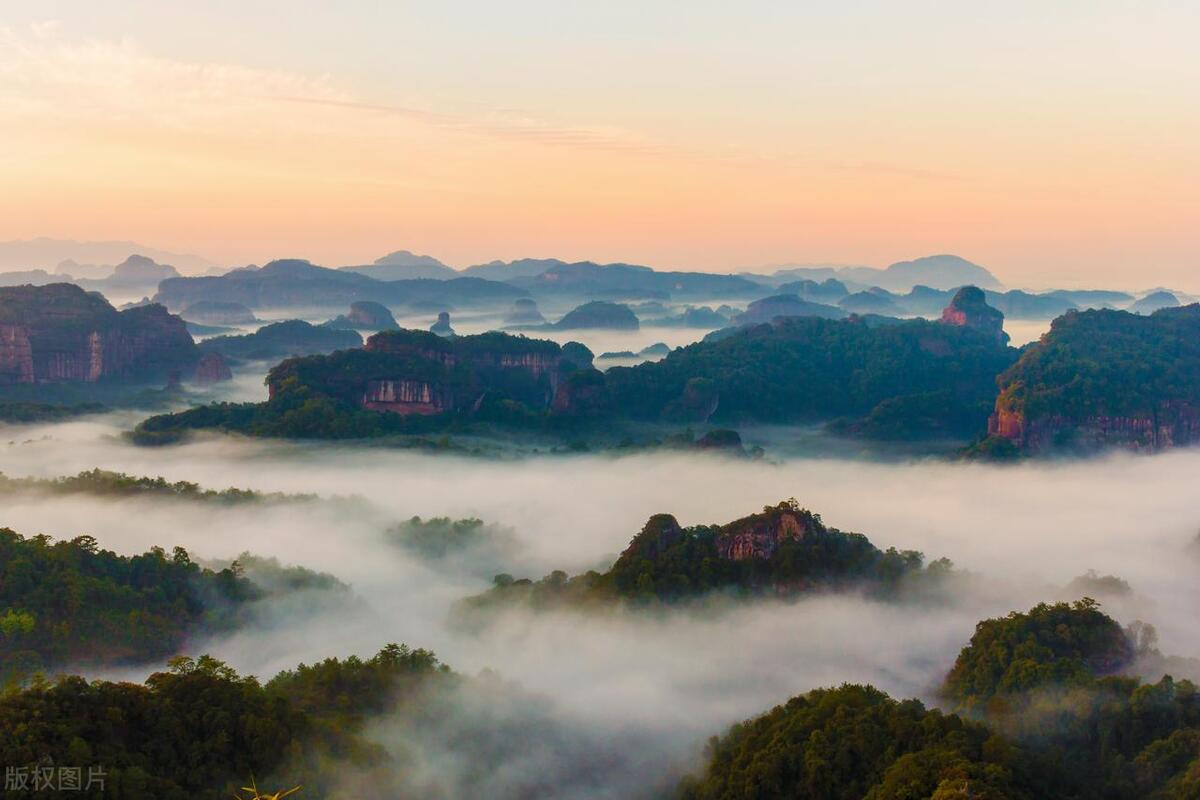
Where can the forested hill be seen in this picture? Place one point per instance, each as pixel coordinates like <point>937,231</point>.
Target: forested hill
<point>782,551</point>
<point>1105,379</point>
<point>1042,711</point>
<point>889,379</point>
<point>70,602</point>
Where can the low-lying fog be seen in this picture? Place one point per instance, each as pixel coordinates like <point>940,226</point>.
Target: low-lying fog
<point>646,690</point>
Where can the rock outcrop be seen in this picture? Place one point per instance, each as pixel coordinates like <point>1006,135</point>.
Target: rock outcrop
<point>212,368</point>
<point>969,309</point>
<point>759,535</point>
<point>60,333</point>
<point>365,315</point>
<point>442,326</point>
<point>410,372</point>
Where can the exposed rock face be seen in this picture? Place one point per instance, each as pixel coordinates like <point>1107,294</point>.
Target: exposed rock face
<point>1104,379</point>
<point>442,326</point>
<point>577,354</point>
<point>212,368</point>
<point>406,397</point>
<point>62,333</point>
<point>969,309</point>
<point>1170,426</point>
<point>760,535</point>
<point>583,393</point>
<point>417,372</point>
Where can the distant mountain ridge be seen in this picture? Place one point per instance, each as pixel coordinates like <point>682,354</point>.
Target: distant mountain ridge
<point>46,253</point>
<point>944,271</point>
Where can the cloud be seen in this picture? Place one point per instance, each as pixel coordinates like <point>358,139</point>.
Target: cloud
<point>642,691</point>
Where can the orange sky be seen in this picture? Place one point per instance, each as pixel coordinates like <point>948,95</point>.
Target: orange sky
<point>1055,151</point>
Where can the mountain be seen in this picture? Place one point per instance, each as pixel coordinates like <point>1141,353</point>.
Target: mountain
<point>33,277</point>
<point>1105,379</point>
<point>785,305</point>
<point>1017,304</point>
<point>364,315</point>
<point>1093,298</point>
<point>294,283</point>
<point>782,551</point>
<point>403,265</point>
<point>907,379</point>
<point>1153,302</point>
<point>1040,704</point>
<point>46,253</point>
<point>970,309</point>
<point>60,333</point>
<point>137,274</point>
<point>630,281</point>
<point>874,301</point>
<point>938,272</point>
<point>598,315</point>
<point>281,340</point>
<point>508,270</point>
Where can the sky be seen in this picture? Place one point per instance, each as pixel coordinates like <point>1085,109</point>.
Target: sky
<point>1056,144</point>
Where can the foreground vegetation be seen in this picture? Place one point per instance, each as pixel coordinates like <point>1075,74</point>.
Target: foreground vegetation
<point>71,602</point>
<point>1039,707</point>
<point>199,730</point>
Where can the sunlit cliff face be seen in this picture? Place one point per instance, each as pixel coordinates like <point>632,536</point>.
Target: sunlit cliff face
<point>664,681</point>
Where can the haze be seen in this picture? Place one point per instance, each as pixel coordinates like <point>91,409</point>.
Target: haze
<point>1053,144</point>
<point>638,693</point>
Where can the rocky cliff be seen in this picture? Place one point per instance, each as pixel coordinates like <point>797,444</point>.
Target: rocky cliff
<point>60,333</point>
<point>411,372</point>
<point>365,315</point>
<point>759,535</point>
<point>969,309</point>
<point>1103,379</point>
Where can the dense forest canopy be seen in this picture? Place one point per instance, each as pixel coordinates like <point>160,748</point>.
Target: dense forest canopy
<point>71,602</point>
<point>1040,711</point>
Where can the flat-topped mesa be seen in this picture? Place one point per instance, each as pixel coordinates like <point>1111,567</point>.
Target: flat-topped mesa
<point>60,333</point>
<point>969,309</point>
<point>759,535</point>
<point>411,372</point>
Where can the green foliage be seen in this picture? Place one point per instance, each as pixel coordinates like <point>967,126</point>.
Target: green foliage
<point>910,379</point>
<point>92,605</point>
<point>855,742</point>
<point>19,412</point>
<point>1049,721</point>
<point>664,563</point>
<point>103,483</point>
<point>70,602</point>
<point>198,730</point>
<point>937,378</point>
<point>1061,645</point>
<point>1108,363</point>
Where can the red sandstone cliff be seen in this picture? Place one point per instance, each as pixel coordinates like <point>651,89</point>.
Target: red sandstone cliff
<point>60,333</point>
